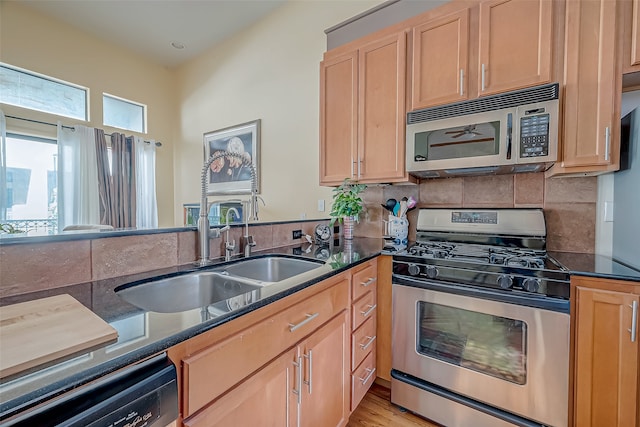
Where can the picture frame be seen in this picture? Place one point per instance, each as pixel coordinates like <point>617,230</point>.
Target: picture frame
<point>228,175</point>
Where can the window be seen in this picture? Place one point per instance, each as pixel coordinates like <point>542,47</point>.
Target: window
<point>37,92</point>
<point>32,165</point>
<point>124,114</point>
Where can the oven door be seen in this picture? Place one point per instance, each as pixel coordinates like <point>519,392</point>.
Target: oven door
<point>510,356</point>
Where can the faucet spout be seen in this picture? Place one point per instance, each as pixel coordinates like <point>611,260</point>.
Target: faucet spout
<point>204,227</point>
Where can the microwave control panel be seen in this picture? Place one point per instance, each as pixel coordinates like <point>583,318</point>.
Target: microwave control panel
<point>534,136</point>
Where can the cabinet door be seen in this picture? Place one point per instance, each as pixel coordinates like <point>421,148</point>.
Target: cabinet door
<point>381,130</point>
<point>325,388</point>
<point>515,44</point>
<point>606,360</point>
<point>590,83</point>
<point>268,398</point>
<point>338,118</point>
<point>440,61</point>
<point>631,44</point>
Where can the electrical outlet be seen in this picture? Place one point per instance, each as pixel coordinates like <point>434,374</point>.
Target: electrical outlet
<point>297,234</point>
<point>608,211</point>
<point>320,205</point>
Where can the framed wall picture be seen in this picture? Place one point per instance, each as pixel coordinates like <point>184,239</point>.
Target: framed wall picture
<point>230,175</point>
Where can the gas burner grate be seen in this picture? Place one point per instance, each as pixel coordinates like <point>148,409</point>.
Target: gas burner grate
<point>481,254</point>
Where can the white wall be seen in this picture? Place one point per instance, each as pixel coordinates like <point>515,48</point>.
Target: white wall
<point>268,72</point>
<point>618,235</point>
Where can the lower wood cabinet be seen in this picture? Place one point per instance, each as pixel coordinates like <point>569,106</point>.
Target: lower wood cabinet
<point>606,362</point>
<point>363,330</point>
<point>302,387</point>
<point>305,360</point>
<point>265,399</point>
<point>323,366</point>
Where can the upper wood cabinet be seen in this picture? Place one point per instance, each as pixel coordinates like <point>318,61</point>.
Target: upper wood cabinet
<point>631,38</point>
<point>338,118</point>
<point>362,113</point>
<point>605,352</point>
<point>515,45</point>
<point>491,47</point>
<point>592,88</point>
<point>441,61</point>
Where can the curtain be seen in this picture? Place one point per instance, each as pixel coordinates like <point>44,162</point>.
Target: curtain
<point>145,166</point>
<point>123,182</point>
<point>78,200</point>
<point>104,177</point>
<point>3,167</point>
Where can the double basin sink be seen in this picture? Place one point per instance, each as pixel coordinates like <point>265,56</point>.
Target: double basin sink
<point>235,284</point>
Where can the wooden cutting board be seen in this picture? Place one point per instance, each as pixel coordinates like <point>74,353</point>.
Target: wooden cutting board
<point>40,332</point>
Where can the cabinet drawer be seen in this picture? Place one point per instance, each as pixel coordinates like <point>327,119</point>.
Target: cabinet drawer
<point>362,379</point>
<point>363,341</point>
<point>213,370</point>
<point>364,280</point>
<point>363,309</point>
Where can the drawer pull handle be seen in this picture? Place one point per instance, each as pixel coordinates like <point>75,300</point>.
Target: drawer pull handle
<point>309,357</point>
<point>371,340</point>
<point>634,321</point>
<point>368,312</point>
<point>368,282</point>
<point>368,377</point>
<point>309,318</point>
<point>298,366</point>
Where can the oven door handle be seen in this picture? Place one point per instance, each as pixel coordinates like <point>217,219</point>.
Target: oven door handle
<point>510,297</point>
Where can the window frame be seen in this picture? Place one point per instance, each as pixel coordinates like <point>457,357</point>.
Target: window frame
<point>127,101</point>
<point>86,90</point>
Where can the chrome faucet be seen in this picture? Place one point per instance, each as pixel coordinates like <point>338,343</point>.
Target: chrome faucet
<point>229,246</point>
<point>205,232</point>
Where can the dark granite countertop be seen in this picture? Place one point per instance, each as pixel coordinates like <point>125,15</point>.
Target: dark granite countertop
<point>595,266</point>
<point>144,333</point>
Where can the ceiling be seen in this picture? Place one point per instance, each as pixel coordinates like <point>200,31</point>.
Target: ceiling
<point>149,27</point>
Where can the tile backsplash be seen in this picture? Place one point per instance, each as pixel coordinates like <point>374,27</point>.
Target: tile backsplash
<point>569,203</point>
<point>29,267</point>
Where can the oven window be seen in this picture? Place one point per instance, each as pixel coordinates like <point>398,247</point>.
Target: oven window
<point>482,342</point>
<point>482,139</point>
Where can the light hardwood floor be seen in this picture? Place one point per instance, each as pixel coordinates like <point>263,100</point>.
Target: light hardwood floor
<point>376,410</point>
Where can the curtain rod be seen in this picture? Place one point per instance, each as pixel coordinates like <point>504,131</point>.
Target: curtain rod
<point>158,144</point>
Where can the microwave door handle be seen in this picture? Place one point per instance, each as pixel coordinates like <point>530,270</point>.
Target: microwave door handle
<point>509,134</point>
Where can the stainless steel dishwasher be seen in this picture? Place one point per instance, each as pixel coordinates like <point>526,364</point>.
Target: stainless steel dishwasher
<point>141,395</point>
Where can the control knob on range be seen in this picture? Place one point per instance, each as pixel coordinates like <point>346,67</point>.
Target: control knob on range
<point>531,284</point>
<point>432,271</point>
<point>414,270</point>
<point>505,281</point>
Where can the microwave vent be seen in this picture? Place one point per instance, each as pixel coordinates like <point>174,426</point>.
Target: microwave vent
<point>489,103</point>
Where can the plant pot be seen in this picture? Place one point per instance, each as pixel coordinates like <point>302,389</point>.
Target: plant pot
<point>347,227</point>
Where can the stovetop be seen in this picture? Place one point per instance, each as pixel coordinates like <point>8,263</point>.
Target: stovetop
<point>499,249</point>
<point>483,254</point>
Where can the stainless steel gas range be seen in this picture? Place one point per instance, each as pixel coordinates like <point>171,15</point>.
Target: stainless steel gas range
<point>481,321</point>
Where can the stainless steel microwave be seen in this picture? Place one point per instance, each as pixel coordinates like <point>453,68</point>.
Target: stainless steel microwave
<point>506,133</point>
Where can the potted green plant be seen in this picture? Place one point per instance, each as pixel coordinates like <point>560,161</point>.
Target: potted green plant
<point>347,205</point>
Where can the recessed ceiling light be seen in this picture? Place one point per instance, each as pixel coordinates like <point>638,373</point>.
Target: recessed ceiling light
<point>178,45</point>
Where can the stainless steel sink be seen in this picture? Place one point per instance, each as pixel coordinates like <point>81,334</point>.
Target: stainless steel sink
<point>189,291</point>
<point>271,268</point>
